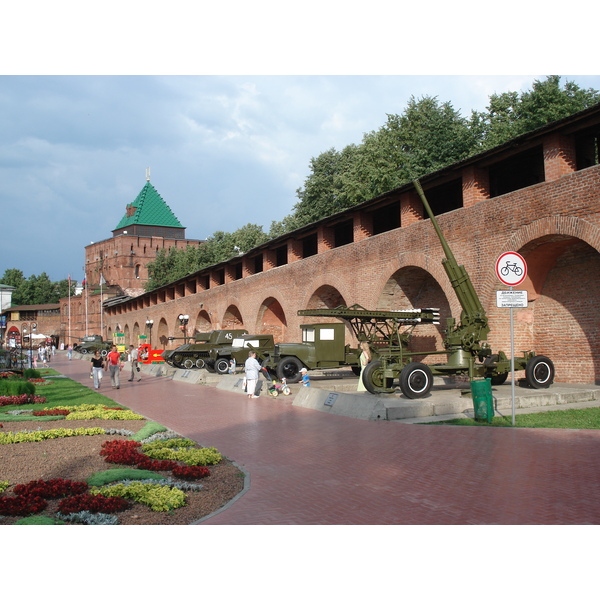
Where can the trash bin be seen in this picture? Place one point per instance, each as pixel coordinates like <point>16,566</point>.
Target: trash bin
<point>483,401</point>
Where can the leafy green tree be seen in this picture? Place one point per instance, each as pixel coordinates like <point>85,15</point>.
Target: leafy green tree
<point>37,289</point>
<point>512,114</point>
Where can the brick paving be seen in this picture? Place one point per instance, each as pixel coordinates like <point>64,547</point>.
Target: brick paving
<point>312,468</point>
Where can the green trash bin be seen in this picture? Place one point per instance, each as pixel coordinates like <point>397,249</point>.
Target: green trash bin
<point>483,401</point>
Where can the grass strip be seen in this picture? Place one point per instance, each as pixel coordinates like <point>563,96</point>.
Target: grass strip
<point>582,418</point>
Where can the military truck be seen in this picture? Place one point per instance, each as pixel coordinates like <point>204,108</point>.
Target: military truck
<point>91,343</point>
<point>323,347</point>
<point>196,354</point>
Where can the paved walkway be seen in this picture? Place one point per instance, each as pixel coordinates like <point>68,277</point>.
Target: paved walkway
<point>308,467</point>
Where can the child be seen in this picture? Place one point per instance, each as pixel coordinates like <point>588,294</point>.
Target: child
<point>305,378</point>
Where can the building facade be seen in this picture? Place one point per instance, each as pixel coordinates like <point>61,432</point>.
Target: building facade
<point>117,267</point>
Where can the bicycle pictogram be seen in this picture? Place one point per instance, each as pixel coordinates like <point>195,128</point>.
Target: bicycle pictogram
<point>511,267</point>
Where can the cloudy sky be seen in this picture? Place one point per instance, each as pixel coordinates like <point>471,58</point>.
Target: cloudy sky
<point>224,149</point>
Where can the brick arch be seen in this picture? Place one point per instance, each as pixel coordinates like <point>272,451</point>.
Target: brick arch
<point>135,334</point>
<point>326,296</point>
<point>232,318</point>
<point>562,255</point>
<point>413,286</point>
<point>162,334</point>
<point>271,319</point>
<point>417,260</point>
<point>203,323</point>
<point>326,282</point>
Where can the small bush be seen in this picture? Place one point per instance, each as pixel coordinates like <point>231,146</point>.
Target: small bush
<point>147,430</point>
<point>39,520</point>
<point>104,477</point>
<point>31,374</point>
<point>15,386</point>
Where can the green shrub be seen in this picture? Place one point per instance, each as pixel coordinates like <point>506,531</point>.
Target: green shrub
<point>32,374</point>
<point>39,520</point>
<point>16,386</point>
<point>150,428</point>
<point>104,477</point>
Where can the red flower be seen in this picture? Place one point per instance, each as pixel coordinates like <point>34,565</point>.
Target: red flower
<point>193,472</point>
<point>93,504</point>
<point>53,488</point>
<point>21,506</point>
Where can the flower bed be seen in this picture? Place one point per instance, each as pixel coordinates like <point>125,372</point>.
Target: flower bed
<point>147,502</point>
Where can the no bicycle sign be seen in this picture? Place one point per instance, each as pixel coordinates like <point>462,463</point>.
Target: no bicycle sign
<point>511,268</point>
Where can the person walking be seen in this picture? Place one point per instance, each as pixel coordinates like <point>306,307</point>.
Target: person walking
<point>365,359</point>
<point>42,355</point>
<point>97,366</point>
<point>70,351</point>
<point>252,369</point>
<point>113,360</point>
<point>133,358</point>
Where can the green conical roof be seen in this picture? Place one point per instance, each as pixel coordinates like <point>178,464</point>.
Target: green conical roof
<point>149,209</point>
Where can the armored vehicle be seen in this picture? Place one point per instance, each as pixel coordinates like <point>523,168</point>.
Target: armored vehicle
<point>219,358</point>
<point>91,343</point>
<point>196,354</point>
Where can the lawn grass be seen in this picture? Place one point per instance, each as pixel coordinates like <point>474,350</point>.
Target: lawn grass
<point>62,392</point>
<point>584,418</point>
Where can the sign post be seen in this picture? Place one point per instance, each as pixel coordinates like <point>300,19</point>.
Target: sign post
<point>511,270</point>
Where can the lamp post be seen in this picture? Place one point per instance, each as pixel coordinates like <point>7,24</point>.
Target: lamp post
<point>23,334</point>
<point>149,323</point>
<point>183,319</point>
<point>31,332</point>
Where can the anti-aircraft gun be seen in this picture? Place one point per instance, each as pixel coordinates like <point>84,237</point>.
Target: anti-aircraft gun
<point>464,342</point>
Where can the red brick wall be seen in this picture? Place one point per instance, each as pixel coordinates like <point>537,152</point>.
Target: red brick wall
<point>556,223</point>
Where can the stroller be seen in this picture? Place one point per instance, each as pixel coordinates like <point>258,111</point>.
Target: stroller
<point>276,388</point>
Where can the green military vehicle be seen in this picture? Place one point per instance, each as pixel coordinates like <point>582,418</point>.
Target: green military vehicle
<point>323,347</point>
<point>220,358</point>
<point>196,354</point>
<point>91,343</point>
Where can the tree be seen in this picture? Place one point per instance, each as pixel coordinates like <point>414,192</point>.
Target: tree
<point>37,289</point>
<point>512,114</point>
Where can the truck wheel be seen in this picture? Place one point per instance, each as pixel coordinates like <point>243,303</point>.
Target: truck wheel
<point>416,380</point>
<point>83,350</point>
<point>374,380</point>
<point>188,363</point>
<point>289,368</point>
<point>539,372</point>
<point>222,366</point>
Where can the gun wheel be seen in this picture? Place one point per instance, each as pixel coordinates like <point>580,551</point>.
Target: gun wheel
<point>539,372</point>
<point>374,379</point>
<point>416,380</point>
